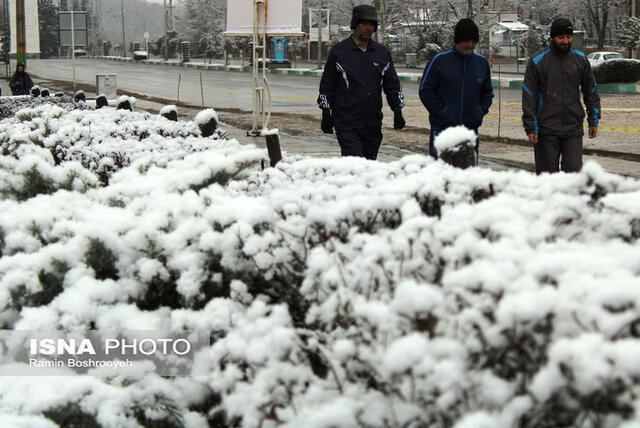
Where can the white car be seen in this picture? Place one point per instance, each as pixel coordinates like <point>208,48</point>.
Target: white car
<point>597,58</point>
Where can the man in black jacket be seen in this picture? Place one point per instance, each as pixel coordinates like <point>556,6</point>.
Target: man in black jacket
<point>20,82</point>
<point>552,113</point>
<point>356,72</point>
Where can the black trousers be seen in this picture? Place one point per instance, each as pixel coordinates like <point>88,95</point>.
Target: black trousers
<point>364,142</point>
<point>554,153</point>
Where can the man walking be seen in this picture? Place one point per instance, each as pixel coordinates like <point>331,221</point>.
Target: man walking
<point>552,114</point>
<point>357,71</point>
<point>456,85</point>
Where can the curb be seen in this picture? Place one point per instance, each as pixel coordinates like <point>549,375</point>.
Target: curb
<point>404,77</point>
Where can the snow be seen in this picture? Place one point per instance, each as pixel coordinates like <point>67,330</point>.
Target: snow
<point>454,136</point>
<point>338,292</point>
<point>168,108</point>
<point>205,116</point>
<point>272,131</point>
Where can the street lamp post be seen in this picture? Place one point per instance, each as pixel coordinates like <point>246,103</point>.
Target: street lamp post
<point>124,49</point>
<point>166,38</point>
<point>633,15</point>
<point>320,34</point>
<point>21,38</point>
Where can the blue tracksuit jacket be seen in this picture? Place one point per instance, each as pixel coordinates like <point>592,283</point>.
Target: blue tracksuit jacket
<point>551,91</point>
<point>456,89</point>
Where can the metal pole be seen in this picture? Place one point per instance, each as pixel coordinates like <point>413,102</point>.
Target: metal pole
<point>7,65</point>
<point>260,114</point>
<point>166,37</point>
<point>73,51</point>
<point>633,15</point>
<point>21,37</point>
<point>479,23</point>
<point>124,49</point>
<point>201,90</point>
<point>383,21</point>
<point>257,91</point>
<point>170,14</point>
<point>320,34</point>
<point>213,17</point>
<point>178,94</point>
<point>499,101</point>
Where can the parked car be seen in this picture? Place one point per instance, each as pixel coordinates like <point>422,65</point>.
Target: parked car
<point>597,58</point>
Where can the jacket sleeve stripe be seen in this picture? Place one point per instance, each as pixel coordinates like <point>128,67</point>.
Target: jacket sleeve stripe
<point>527,89</point>
<point>344,74</point>
<point>537,59</point>
<point>426,73</point>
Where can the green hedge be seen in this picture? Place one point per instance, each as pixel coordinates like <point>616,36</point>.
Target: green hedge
<point>618,71</point>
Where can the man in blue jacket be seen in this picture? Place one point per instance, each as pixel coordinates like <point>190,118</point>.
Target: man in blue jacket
<point>356,72</point>
<point>456,85</point>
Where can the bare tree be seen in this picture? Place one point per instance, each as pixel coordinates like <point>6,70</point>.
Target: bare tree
<point>598,13</point>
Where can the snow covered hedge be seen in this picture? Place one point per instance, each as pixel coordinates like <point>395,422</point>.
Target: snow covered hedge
<point>338,292</point>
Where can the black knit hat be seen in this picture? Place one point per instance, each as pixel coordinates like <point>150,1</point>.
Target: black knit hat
<point>466,29</point>
<point>364,12</point>
<point>560,27</point>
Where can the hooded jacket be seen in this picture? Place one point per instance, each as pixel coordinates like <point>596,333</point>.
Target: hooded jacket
<point>456,89</point>
<point>352,84</point>
<point>23,77</point>
<point>551,93</point>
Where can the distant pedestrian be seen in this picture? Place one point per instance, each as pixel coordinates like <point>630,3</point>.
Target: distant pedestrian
<point>456,85</point>
<point>552,113</point>
<point>20,82</point>
<point>357,71</point>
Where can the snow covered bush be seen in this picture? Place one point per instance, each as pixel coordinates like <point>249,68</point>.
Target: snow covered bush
<point>337,292</point>
<point>9,106</point>
<point>102,141</point>
<point>618,71</point>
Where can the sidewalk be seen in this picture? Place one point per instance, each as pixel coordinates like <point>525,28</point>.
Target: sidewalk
<point>494,154</point>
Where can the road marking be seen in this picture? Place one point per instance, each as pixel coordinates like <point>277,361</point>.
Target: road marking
<point>516,103</point>
<point>291,97</point>
<point>229,91</point>
<point>517,119</point>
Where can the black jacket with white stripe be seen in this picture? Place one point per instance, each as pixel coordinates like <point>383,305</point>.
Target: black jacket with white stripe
<point>352,84</point>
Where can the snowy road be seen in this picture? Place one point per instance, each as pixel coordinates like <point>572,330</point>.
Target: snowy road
<point>221,89</point>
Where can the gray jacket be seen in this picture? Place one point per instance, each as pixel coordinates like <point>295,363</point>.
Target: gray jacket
<point>551,93</point>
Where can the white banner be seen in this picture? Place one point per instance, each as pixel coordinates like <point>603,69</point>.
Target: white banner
<point>284,17</point>
<point>32,30</point>
<point>313,25</point>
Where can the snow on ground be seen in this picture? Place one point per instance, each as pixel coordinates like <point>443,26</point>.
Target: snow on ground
<point>338,292</point>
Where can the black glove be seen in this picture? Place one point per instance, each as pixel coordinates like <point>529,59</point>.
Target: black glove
<point>327,121</point>
<point>398,120</point>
